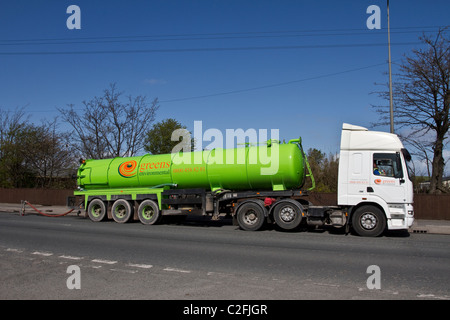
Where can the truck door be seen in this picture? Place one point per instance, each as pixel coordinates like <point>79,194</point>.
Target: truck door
<point>388,179</point>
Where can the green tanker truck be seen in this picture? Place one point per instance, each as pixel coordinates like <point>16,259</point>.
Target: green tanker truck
<point>253,184</point>
<point>204,182</point>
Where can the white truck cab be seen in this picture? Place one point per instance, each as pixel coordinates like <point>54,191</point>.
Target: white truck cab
<point>374,181</point>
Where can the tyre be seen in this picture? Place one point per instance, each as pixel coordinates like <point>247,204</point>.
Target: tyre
<point>148,212</point>
<point>121,211</point>
<point>250,216</point>
<point>96,210</point>
<point>368,221</point>
<point>287,214</point>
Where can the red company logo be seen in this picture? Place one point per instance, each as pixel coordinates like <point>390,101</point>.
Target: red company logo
<point>127,169</point>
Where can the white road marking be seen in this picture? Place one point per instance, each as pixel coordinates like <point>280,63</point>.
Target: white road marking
<point>176,270</point>
<point>14,250</point>
<point>45,254</point>
<point>432,296</point>
<point>218,274</point>
<point>104,261</point>
<point>142,266</point>
<point>70,257</point>
<point>124,270</point>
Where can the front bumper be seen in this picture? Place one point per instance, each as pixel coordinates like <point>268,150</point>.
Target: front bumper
<point>401,217</point>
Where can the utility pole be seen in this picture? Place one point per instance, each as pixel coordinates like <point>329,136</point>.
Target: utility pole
<point>390,72</point>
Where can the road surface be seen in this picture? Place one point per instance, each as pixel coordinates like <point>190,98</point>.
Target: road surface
<point>73,258</point>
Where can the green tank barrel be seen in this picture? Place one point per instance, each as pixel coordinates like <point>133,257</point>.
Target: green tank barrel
<point>269,167</point>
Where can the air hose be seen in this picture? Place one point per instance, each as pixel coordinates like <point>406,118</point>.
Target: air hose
<point>24,202</point>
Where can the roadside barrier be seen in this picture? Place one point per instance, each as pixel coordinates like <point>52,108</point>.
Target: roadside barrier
<point>25,202</point>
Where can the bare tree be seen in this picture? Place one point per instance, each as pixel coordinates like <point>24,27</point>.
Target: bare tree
<point>47,154</point>
<point>10,124</point>
<point>13,171</point>
<point>422,99</point>
<point>109,127</point>
<point>33,155</point>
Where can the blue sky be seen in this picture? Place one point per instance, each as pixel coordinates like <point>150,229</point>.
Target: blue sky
<point>315,62</point>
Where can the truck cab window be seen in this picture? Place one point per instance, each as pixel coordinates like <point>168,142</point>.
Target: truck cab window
<point>387,165</point>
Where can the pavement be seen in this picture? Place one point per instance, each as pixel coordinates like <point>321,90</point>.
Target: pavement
<point>419,226</point>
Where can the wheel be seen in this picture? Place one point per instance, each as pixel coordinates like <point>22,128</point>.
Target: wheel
<point>250,216</point>
<point>148,212</point>
<point>96,210</point>
<point>368,221</point>
<point>121,211</point>
<point>287,215</point>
